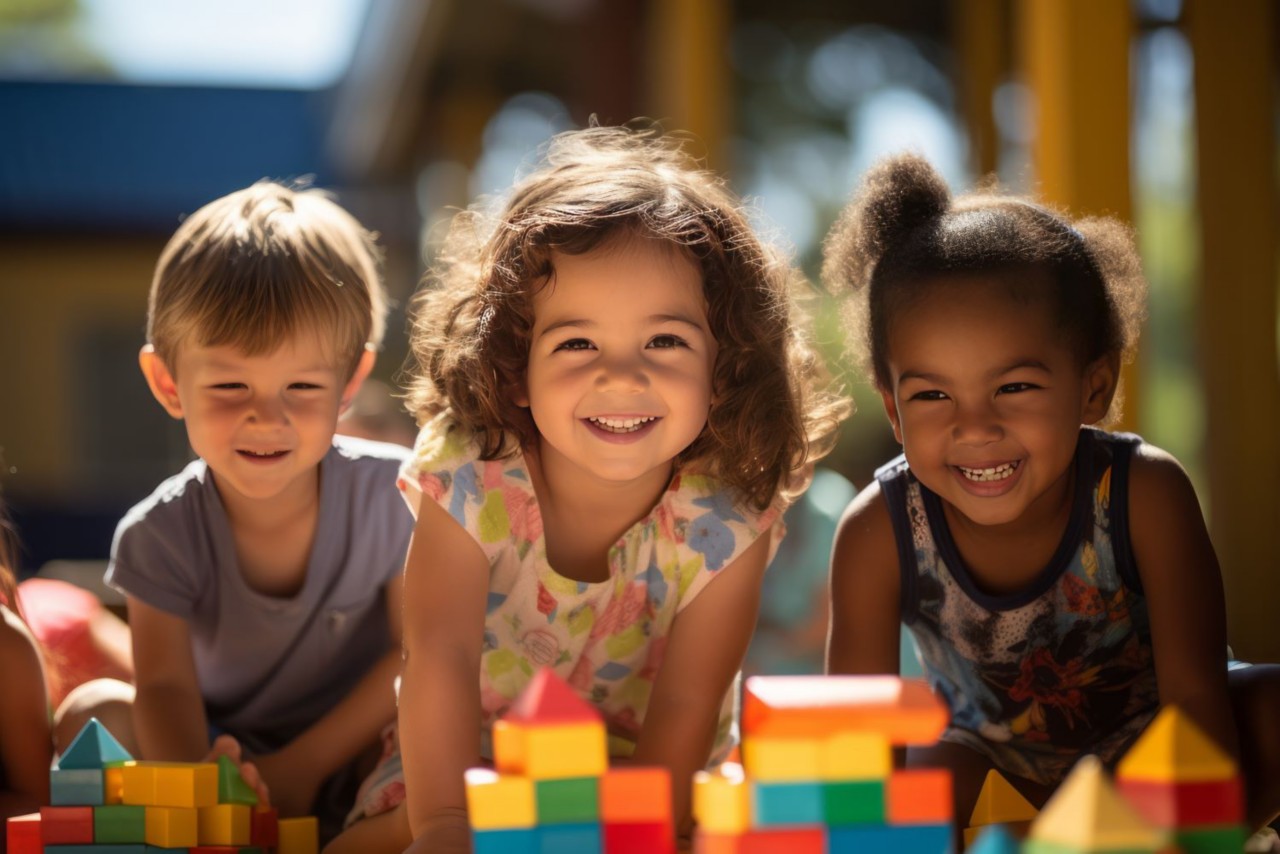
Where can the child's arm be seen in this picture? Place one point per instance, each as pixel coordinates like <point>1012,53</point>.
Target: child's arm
<point>294,773</point>
<point>865,590</point>
<point>446,589</point>
<point>168,714</point>
<point>1183,586</point>
<point>26,740</point>
<point>704,652</point>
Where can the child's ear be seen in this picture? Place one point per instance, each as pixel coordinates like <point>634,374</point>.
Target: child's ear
<point>358,376</point>
<point>1100,380</point>
<point>891,409</point>
<point>160,380</point>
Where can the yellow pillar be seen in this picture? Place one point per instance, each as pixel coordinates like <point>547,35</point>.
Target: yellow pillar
<point>687,74</point>
<point>1234,62</point>
<point>980,31</point>
<point>1075,55</point>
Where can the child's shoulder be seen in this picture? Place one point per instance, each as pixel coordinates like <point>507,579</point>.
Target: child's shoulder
<point>176,499</point>
<point>692,497</point>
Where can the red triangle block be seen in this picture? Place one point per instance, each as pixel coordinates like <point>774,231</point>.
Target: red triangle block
<point>547,699</point>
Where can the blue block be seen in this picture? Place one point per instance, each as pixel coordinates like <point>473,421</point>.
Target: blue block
<point>786,804</point>
<point>97,849</point>
<point>994,839</point>
<point>578,838</point>
<point>76,787</point>
<point>93,747</point>
<point>890,839</point>
<point>522,840</point>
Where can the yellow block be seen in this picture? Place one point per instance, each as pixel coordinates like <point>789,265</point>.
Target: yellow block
<point>113,784</point>
<point>171,827</point>
<point>170,784</point>
<point>1088,814</point>
<point>550,752</point>
<point>773,759</point>
<point>1000,803</point>
<point>224,824</point>
<point>1173,749</point>
<point>856,756</point>
<point>298,836</point>
<point>722,800</point>
<point>500,801</point>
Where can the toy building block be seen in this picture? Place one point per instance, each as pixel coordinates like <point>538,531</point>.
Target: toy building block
<point>1172,806</point>
<point>1000,803</point>
<point>232,789</point>
<point>585,838</point>
<point>120,824</point>
<point>113,783</point>
<point>722,800</point>
<point>786,804</point>
<point>226,849</point>
<point>548,699</point>
<point>499,801</point>
<point>1211,840</point>
<point>76,786</point>
<point>520,840</point>
<point>1018,830</point>
<point>920,796</point>
<point>777,760</point>
<point>639,838</point>
<point>639,795</point>
<point>298,836</point>
<point>1087,814</point>
<point>574,800</point>
<point>856,756</point>
<point>171,784</point>
<point>172,827</point>
<point>1174,749</point>
<point>264,827</point>
<point>224,825</point>
<point>886,839</point>
<point>93,747</point>
<point>809,840</point>
<point>849,802</point>
<point>905,711</point>
<point>993,839</point>
<point>110,848</point>
<point>66,825</point>
<point>549,752</point>
<point>22,834</point>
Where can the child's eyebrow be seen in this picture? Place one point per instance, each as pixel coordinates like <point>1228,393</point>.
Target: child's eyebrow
<point>677,318</point>
<point>582,323</point>
<point>1016,364</point>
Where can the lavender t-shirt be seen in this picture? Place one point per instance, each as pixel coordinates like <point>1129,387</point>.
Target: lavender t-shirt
<point>268,667</point>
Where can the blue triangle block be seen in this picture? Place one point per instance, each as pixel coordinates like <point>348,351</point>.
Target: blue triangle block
<point>994,839</point>
<point>93,747</point>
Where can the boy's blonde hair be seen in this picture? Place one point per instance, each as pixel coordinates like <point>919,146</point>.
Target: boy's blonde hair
<point>254,267</point>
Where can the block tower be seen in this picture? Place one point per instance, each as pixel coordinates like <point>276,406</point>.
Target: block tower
<point>104,802</point>
<point>1184,784</point>
<point>817,772</point>
<point>999,803</point>
<point>552,790</point>
<point>1088,816</point>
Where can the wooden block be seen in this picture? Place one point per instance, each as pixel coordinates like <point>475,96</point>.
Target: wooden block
<point>227,849</point>
<point>853,802</point>
<point>110,848</point>
<point>1017,829</point>
<point>886,839</point>
<point>298,835</point>
<point>636,795</point>
<point>992,839</point>
<point>170,784</point>
<point>639,838</point>
<point>113,783</point>
<point>499,801</point>
<point>264,827</point>
<point>66,825</point>
<point>722,800</point>
<point>172,827</point>
<point>514,841</point>
<point>548,699</point>
<point>920,796</point>
<point>856,756</point>
<point>551,752</point>
<point>1212,840</point>
<point>1174,749</point>
<point>707,842</point>
<point>776,760</point>
<point>570,801</point>
<point>22,834</point>
<point>93,747</point>
<point>904,711</point>
<point>120,824</point>
<point>76,787</point>
<point>1088,814</point>
<point>800,840</point>
<point>1185,805</point>
<point>232,789</point>
<point>578,838</point>
<point>786,804</point>
<point>224,825</point>
<point>1000,803</point>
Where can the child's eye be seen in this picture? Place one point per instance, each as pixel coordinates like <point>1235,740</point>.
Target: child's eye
<point>667,342</point>
<point>574,344</point>
<point>931,394</point>
<point>228,386</point>
<point>304,386</point>
<point>1014,388</point>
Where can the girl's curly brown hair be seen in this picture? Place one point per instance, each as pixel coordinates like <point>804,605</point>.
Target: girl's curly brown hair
<point>903,230</point>
<point>775,413</point>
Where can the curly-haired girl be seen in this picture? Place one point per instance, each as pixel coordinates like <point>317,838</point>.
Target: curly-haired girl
<point>617,404</point>
<point>1058,578</point>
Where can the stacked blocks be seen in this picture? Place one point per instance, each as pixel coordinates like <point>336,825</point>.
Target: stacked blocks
<point>104,802</point>
<point>817,772</point>
<point>1088,816</point>
<point>999,803</point>
<point>552,789</point>
<point>1185,785</point>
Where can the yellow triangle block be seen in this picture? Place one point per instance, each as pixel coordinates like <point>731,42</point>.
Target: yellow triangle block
<point>1000,803</point>
<point>1088,814</point>
<point>1173,749</point>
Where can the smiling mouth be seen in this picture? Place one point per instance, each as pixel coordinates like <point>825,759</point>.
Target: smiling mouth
<point>989,475</point>
<point>621,425</point>
<point>262,455</point>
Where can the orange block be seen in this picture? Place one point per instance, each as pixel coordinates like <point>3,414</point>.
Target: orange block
<point>635,796</point>
<point>920,796</point>
<point>905,711</point>
<point>806,840</point>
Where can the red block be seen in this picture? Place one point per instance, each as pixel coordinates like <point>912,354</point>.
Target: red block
<point>264,832</point>
<point>809,840</point>
<point>22,834</point>
<point>66,825</point>
<point>1183,805</point>
<point>636,838</point>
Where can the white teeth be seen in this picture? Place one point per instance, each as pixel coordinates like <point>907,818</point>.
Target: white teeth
<point>264,453</point>
<point>621,425</point>
<point>999,472</point>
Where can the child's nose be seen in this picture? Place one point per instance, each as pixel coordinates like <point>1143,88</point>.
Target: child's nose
<point>622,373</point>
<point>977,424</point>
<point>268,410</point>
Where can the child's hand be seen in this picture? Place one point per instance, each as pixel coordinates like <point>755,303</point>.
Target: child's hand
<point>228,746</point>
<point>290,781</point>
<point>447,831</point>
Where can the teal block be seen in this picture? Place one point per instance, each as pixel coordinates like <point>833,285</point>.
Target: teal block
<point>523,840</point>
<point>578,838</point>
<point>786,804</point>
<point>994,839</point>
<point>93,747</point>
<point>575,800</point>
<point>890,839</point>
<point>854,802</point>
<point>75,787</point>
<point>120,823</point>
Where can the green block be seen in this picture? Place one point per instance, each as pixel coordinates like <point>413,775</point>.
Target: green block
<point>232,789</point>
<point>572,801</point>
<point>1222,839</point>
<point>120,823</point>
<point>854,802</point>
